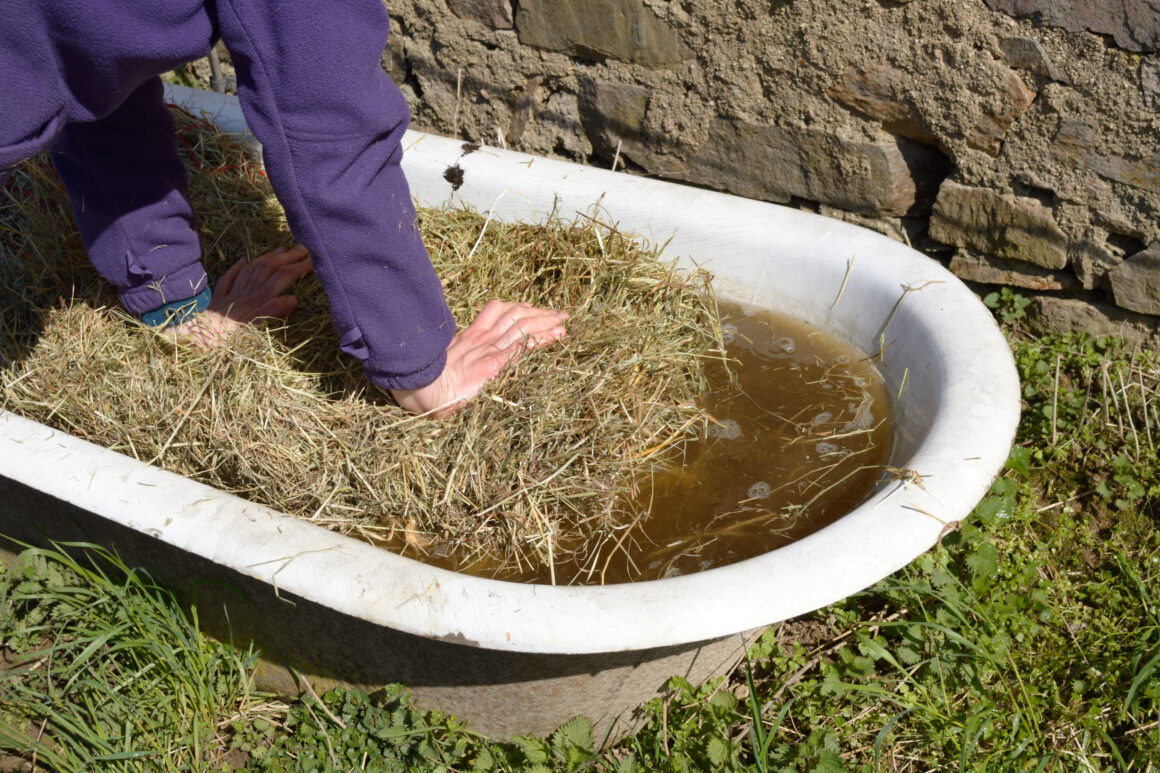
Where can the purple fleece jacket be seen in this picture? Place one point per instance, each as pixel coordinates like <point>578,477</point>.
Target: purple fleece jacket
<point>80,77</point>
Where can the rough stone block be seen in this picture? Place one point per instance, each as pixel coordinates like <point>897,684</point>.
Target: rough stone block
<point>523,101</point>
<point>496,14</point>
<point>393,61</point>
<point>1136,281</point>
<point>983,269</point>
<point>990,130</point>
<point>999,225</point>
<point>1135,24</point>
<point>1053,315</point>
<point>1073,138</point>
<point>879,92</point>
<point>612,114</point>
<point>1026,54</point>
<point>1092,260</point>
<point>601,29</point>
<point>1078,145</point>
<point>1150,84</point>
<point>1141,173</point>
<point>885,176</point>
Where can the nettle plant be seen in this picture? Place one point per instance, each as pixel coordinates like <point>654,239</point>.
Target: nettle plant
<point>1093,399</point>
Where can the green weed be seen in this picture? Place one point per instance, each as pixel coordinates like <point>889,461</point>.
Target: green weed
<point>691,728</point>
<point>350,730</point>
<point>102,671</point>
<point>1091,420</point>
<point>1008,305</point>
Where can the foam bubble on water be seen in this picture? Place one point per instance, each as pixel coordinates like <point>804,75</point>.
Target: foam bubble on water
<point>826,448</point>
<point>863,415</point>
<point>786,344</point>
<point>822,418</point>
<point>728,333</point>
<point>727,429</point>
<point>759,490</point>
<point>864,420</point>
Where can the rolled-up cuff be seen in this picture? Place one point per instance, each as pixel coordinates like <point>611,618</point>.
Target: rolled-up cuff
<point>178,311</point>
<point>179,286</point>
<point>416,380</point>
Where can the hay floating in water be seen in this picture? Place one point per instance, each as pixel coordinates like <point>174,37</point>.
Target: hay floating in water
<point>534,470</point>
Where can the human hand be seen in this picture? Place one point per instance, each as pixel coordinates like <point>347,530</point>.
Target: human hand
<point>499,335</point>
<point>248,292</point>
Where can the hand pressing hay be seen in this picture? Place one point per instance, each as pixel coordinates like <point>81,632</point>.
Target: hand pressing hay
<point>529,477</point>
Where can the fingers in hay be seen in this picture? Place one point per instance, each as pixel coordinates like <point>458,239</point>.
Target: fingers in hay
<point>534,473</point>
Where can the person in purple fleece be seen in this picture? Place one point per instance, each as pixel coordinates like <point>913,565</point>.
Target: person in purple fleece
<point>80,78</point>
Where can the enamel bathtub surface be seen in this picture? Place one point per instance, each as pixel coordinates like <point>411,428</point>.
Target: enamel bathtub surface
<point>944,360</point>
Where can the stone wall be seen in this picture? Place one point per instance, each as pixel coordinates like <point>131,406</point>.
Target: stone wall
<point>1013,139</point>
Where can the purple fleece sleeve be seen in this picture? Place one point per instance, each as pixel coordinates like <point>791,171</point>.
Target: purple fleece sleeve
<point>78,77</point>
<point>128,190</point>
<point>331,122</point>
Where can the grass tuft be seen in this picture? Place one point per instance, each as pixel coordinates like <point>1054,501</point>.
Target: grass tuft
<point>100,669</point>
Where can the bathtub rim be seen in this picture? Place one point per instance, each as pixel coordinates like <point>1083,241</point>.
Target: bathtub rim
<point>895,525</point>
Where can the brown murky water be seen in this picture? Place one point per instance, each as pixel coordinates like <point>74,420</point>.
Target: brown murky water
<point>803,433</point>
<point>803,436</point>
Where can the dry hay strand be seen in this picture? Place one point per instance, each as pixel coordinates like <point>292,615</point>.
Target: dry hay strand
<point>535,473</point>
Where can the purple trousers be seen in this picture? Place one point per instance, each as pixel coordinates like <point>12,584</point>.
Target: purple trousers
<point>79,78</point>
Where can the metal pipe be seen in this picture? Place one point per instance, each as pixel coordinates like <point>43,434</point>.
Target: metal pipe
<point>216,81</point>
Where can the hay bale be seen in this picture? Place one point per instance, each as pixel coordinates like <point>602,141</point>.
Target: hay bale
<point>535,473</point>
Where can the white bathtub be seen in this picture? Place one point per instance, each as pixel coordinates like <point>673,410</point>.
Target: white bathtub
<point>514,658</point>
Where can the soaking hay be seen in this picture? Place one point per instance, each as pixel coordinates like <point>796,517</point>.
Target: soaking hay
<point>533,474</point>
